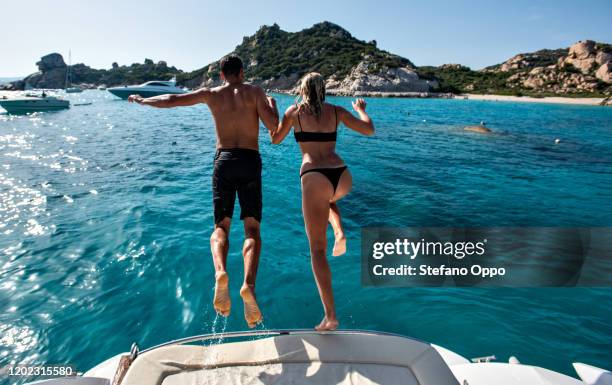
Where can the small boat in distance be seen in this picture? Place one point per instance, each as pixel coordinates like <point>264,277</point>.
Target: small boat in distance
<point>69,89</point>
<point>72,90</point>
<point>33,103</point>
<point>148,89</point>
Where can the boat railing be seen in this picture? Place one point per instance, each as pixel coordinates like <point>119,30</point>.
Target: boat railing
<point>268,333</point>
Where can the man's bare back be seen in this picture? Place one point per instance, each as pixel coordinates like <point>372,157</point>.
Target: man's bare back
<point>235,110</point>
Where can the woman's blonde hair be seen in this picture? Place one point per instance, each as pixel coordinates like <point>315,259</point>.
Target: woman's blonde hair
<point>311,94</point>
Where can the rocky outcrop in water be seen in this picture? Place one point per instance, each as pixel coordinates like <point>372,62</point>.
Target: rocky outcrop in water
<point>51,74</point>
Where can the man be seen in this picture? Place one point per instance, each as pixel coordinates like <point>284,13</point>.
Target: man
<point>236,108</point>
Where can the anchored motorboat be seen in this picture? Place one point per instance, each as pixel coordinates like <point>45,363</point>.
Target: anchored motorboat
<point>148,89</point>
<point>31,102</point>
<point>307,357</point>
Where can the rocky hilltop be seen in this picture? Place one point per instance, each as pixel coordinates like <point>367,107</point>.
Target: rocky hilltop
<point>584,69</point>
<point>277,59</point>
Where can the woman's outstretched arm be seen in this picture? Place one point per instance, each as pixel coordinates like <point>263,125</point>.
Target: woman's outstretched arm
<point>363,124</point>
<point>284,127</point>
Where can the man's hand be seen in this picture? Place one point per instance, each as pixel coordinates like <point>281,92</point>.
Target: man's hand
<point>359,105</point>
<point>135,99</point>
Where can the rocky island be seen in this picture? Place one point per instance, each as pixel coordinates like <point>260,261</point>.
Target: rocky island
<point>276,59</point>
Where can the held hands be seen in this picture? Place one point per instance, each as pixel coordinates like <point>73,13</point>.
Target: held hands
<point>135,99</point>
<point>359,105</point>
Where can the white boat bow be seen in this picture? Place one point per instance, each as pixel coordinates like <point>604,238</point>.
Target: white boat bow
<point>308,357</point>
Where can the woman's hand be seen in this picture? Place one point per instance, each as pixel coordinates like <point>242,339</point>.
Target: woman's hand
<point>359,105</point>
<point>363,124</point>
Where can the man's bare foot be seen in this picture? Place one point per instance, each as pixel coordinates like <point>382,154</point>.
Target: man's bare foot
<point>339,246</point>
<point>222,301</point>
<point>252,314</point>
<point>327,324</point>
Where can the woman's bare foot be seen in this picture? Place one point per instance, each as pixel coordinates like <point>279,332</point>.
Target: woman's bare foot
<point>327,324</point>
<point>222,301</point>
<point>339,245</point>
<point>252,314</point>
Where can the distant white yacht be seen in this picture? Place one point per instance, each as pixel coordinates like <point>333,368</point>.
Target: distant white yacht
<point>148,89</point>
<point>33,103</point>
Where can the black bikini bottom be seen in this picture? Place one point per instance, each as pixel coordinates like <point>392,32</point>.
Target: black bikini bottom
<point>333,174</point>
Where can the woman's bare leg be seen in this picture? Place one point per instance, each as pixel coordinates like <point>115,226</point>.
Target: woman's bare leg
<point>336,222</point>
<point>335,219</point>
<point>316,194</point>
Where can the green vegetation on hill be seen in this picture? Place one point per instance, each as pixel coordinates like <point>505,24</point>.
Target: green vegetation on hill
<point>123,75</point>
<point>461,79</point>
<point>325,47</point>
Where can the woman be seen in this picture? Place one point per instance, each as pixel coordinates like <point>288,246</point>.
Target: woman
<point>324,176</point>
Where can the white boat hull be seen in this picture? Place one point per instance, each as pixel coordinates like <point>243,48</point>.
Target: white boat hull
<point>148,89</point>
<point>25,105</point>
<point>125,92</point>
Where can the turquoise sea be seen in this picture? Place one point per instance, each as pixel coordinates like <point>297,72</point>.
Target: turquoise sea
<point>105,218</point>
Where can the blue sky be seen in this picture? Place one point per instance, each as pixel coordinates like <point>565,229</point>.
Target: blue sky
<point>189,34</point>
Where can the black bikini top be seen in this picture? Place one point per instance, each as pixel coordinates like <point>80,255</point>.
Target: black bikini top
<point>309,136</point>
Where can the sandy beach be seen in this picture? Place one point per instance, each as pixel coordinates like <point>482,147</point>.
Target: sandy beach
<point>529,99</point>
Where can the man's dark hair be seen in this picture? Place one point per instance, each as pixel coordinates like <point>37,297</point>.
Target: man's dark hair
<point>230,65</point>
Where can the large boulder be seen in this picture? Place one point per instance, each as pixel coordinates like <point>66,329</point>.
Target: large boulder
<point>582,56</point>
<point>604,73</point>
<point>514,63</point>
<point>603,57</point>
<point>53,78</point>
<point>582,50</point>
<point>51,61</point>
<point>51,74</point>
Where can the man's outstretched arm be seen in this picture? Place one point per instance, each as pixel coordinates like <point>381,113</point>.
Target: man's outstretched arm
<point>173,100</point>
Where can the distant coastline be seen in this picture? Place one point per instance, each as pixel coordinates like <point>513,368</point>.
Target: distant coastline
<point>487,97</point>
<point>434,95</point>
<point>352,67</point>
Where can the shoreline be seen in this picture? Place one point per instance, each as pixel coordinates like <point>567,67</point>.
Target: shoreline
<point>435,95</point>
<point>530,99</point>
<point>483,97</point>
